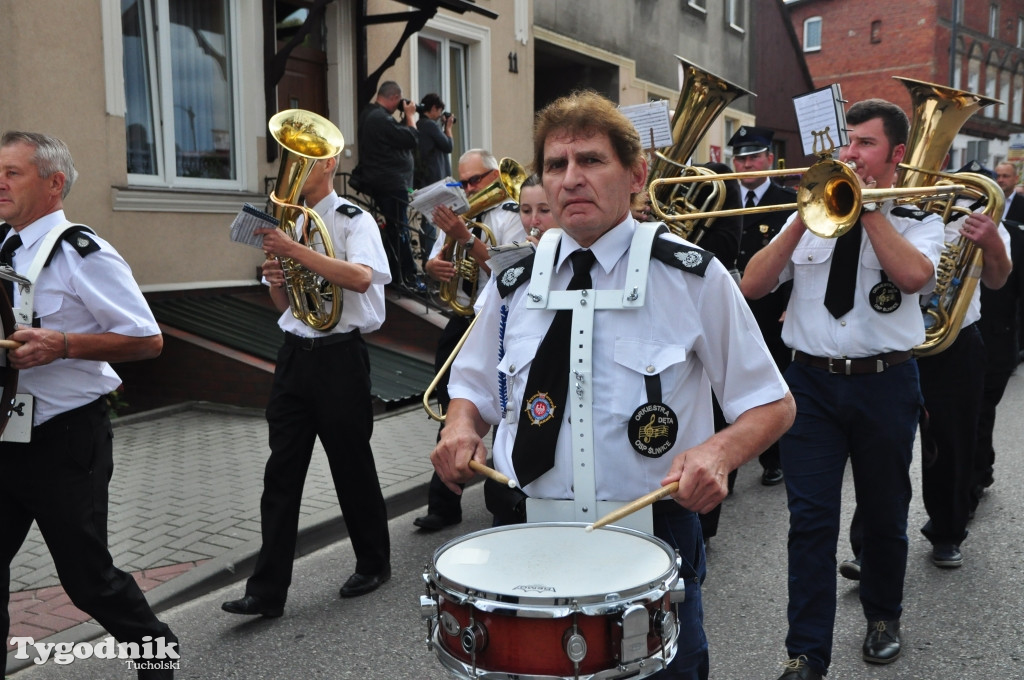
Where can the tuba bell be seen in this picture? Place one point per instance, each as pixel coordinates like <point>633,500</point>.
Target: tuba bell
<point>702,99</point>
<point>938,114</point>
<point>306,138</point>
<point>467,270</point>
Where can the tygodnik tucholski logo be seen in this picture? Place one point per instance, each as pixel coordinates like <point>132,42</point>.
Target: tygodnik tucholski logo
<point>151,654</point>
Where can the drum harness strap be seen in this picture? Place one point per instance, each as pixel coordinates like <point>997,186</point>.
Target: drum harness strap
<point>584,303</point>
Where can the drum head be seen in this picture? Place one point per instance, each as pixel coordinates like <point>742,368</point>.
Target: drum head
<point>554,563</point>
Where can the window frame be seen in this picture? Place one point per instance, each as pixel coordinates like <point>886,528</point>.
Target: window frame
<point>161,101</point>
<point>734,15</point>
<point>807,23</point>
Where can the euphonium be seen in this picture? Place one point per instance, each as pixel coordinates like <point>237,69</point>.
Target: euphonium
<point>938,114</point>
<point>702,99</point>
<point>306,138</point>
<point>467,271</point>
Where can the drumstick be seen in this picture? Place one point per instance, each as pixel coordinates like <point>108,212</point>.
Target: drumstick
<point>632,507</point>
<point>9,344</point>
<point>491,473</point>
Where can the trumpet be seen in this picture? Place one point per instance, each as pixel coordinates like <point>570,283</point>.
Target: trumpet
<point>829,197</point>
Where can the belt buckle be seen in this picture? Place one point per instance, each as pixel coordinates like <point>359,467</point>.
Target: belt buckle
<point>832,366</point>
<point>307,344</point>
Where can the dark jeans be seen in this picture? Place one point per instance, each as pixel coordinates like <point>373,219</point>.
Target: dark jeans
<point>872,420</point>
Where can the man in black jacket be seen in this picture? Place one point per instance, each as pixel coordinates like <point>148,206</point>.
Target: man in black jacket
<point>385,171</point>
<point>999,326</point>
<point>751,152</point>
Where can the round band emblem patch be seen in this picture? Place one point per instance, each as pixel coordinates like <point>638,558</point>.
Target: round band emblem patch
<point>885,297</point>
<point>653,429</point>
<point>540,409</point>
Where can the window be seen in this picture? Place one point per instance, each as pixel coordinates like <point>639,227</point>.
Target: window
<point>698,5</point>
<point>1020,31</point>
<point>180,118</point>
<point>812,34</point>
<point>977,150</point>
<point>876,31</point>
<point>991,81</point>
<point>993,20</point>
<point>734,14</point>
<point>442,69</point>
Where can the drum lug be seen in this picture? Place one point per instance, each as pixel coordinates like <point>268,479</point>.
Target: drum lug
<point>635,626</point>
<point>428,607</point>
<point>474,638</point>
<point>663,623</point>
<point>677,595</point>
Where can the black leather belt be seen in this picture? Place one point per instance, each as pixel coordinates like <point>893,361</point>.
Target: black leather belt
<point>858,366</point>
<point>321,341</point>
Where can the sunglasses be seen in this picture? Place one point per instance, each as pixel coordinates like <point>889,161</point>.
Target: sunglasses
<point>475,179</point>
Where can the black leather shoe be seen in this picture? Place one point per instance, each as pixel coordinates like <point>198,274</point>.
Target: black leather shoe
<point>850,569</point>
<point>882,644</point>
<point>771,476</point>
<point>435,522</point>
<point>361,584</point>
<point>797,669</point>
<point>947,556</point>
<point>250,605</point>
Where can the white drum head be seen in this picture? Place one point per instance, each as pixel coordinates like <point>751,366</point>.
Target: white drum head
<point>557,562</point>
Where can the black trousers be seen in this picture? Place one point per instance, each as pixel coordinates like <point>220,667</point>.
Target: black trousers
<point>440,499</point>
<point>60,480</point>
<point>952,383</point>
<point>322,392</point>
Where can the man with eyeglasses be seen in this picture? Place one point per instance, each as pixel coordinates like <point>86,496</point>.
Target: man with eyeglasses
<point>477,169</point>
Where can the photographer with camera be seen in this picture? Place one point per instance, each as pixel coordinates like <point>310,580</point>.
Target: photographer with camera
<point>385,172</point>
<point>435,127</point>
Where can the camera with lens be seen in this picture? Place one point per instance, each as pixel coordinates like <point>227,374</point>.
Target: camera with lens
<point>448,114</point>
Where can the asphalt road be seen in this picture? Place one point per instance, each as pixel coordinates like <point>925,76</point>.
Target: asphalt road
<point>965,624</point>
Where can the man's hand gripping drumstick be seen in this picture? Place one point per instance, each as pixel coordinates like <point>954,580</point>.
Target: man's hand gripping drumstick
<point>461,452</point>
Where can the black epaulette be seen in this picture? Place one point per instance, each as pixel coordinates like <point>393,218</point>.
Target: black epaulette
<point>515,275</point>
<point>79,237</point>
<point>904,211</point>
<point>348,210</point>
<point>511,206</point>
<point>681,256</point>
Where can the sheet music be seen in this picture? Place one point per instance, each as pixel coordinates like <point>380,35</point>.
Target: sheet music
<point>652,122</point>
<point>821,119</point>
<point>506,255</point>
<point>443,192</point>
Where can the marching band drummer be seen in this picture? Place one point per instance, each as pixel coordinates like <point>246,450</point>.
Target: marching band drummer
<point>478,169</point>
<point>657,349</point>
<point>89,312</point>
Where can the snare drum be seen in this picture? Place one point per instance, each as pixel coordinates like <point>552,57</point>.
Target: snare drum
<point>551,600</point>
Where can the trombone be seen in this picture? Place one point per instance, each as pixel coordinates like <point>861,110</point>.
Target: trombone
<point>829,197</point>
<point>429,392</point>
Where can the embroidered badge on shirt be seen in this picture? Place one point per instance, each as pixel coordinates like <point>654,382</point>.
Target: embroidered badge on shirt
<point>540,409</point>
<point>511,276</point>
<point>653,429</point>
<point>885,297</point>
<point>689,259</point>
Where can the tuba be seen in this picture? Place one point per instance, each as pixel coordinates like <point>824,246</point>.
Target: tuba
<point>467,271</point>
<point>938,114</point>
<point>702,99</point>
<point>306,138</point>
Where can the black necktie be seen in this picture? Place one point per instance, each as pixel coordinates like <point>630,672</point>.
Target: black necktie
<point>7,258</point>
<point>533,453</point>
<point>750,199</point>
<point>842,275</point>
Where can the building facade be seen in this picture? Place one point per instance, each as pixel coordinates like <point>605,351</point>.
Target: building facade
<point>973,45</point>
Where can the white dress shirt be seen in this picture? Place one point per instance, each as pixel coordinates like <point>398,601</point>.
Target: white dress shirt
<point>75,294</point>
<point>862,332</point>
<point>694,332</point>
<point>356,240</point>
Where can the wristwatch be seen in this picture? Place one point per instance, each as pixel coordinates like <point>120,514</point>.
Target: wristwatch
<point>870,207</point>
<point>469,241</point>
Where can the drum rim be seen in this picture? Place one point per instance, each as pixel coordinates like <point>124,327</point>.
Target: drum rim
<point>554,607</point>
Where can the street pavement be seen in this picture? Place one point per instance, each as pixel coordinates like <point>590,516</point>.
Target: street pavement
<point>198,485</point>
